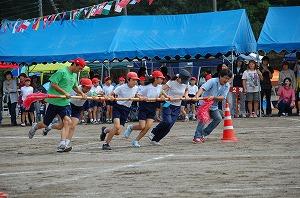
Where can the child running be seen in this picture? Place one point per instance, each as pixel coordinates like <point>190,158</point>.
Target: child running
<point>62,83</point>
<point>147,110</point>
<point>121,109</point>
<point>76,107</point>
<point>170,111</point>
<point>215,89</point>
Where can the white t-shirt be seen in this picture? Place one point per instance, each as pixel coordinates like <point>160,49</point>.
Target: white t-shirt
<point>107,89</point>
<point>78,102</point>
<point>252,81</point>
<point>140,88</point>
<point>176,90</point>
<point>96,90</point>
<point>193,89</point>
<point>25,91</point>
<point>124,91</point>
<point>150,91</point>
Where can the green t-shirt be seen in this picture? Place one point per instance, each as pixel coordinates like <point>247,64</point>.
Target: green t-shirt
<point>65,80</point>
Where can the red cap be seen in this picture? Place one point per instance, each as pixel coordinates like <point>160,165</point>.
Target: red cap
<point>106,78</point>
<point>95,80</point>
<point>79,61</point>
<point>142,78</point>
<point>157,74</point>
<point>121,79</point>
<point>86,82</point>
<point>27,79</point>
<point>132,75</point>
<point>194,78</point>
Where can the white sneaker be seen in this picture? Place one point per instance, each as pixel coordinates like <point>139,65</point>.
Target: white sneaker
<point>155,143</point>
<point>32,131</point>
<point>135,144</point>
<point>186,119</point>
<point>128,131</point>
<point>23,125</point>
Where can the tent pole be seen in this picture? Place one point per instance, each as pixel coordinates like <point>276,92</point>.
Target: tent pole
<point>259,91</point>
<point>198,78</point>
<point>102,65</point>
<point>232,60</point>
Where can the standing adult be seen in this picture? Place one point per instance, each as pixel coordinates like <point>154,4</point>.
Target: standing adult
<point>266,85</point>
<point>238,71</point>
<point>11,96</point>
<point>297,71</point>
<point>287,73</point>
<point>170,111</point>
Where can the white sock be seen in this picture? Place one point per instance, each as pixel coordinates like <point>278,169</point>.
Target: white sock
<point>62,142</point>
<point>50,126</point>
<point>68,142</point>
<point>92,120</point>
<point>106,130</point>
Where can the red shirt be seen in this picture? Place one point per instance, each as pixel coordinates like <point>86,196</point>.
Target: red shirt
<point>287,94</point>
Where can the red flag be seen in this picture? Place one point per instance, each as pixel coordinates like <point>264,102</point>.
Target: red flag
<point>123,3</point>
<point>150,2</point>
<point>51,19</point>
<point>24,25</point>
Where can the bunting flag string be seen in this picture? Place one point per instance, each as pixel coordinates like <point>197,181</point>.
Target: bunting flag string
<point>103,8</point>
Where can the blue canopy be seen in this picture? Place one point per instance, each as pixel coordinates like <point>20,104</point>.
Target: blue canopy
<point>281,30</point>
<point>132,37</point>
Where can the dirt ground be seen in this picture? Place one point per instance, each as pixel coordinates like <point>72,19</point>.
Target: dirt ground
<point>264,163</point>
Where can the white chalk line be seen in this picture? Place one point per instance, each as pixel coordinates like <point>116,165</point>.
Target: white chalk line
<point>253,189</point>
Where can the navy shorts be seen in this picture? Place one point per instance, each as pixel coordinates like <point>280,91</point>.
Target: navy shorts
<point>86,105</point>
<point>95,104</point>
<point>54,110</point>
<point>147,110</point>
<point>183,103</point>
<point>76,110</point>
<point>191,101</point>
<point>121,112</point>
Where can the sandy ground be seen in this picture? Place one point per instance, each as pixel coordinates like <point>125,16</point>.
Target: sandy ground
<point>264,163</point>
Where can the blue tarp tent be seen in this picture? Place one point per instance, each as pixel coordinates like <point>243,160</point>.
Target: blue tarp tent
<point>281,30</point>
<point>132,36</point>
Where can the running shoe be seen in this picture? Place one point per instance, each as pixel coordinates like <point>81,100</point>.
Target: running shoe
<point>102,134</point>
<point>128,131</point>
<point>32,131</point>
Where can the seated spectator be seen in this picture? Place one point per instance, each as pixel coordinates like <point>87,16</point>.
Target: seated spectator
<point>286,100</point>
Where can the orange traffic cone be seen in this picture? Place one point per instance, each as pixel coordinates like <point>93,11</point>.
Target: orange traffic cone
<point>228,132</point>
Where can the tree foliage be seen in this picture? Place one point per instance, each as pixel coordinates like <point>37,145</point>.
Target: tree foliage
<point>256,9</point>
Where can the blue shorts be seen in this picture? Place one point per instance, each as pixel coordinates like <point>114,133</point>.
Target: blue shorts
<point>54,110</point>
<point>86,105</point>
<point>147,110</point>
<point>121,112</point>
<point>76,110</point>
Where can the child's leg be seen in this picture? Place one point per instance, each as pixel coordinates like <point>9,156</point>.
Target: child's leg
<point>255,107</point>
<point>250,107</point>
<point>147,126</point>
<point>139,126</point>
<point>23,117</point>
<point>72,128</point>
<point>32,117</point>
<point>116,130</point>
<point>67,123</point>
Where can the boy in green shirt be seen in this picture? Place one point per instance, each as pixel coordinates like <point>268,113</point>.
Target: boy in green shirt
<point>62,83</point>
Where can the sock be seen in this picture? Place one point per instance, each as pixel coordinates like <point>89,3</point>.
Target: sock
<point>62,142</point>
<point>50,126</point>
<point>67,142</point>
<point>106,130</point>
<point>92,120</point>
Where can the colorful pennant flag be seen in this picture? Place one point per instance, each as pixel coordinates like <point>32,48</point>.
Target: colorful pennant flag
<point>100,8</point>
<point>36,24</point>
<point>15,27</point>
<point>51,19</point>
<point>123,3</point>
<point>45,21</point>
<point>150,2</point>
<point>107,8</point>
<point>23,26</point>
<point>63,17</point>
<point>118,8</point>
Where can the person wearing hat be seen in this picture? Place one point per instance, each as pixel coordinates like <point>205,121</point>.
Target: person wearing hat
<point>121,109</point>
<point>215,89</point>
<point>191,105</point>
<point>63,82</point>
<point>77,105</point>
<point>266,85</point>
<point>147,110</point>
<point>95,106</point>
<point>25,91</point>
<point>174,89</point>
<point>108,89</point>
<point>121,81</point>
